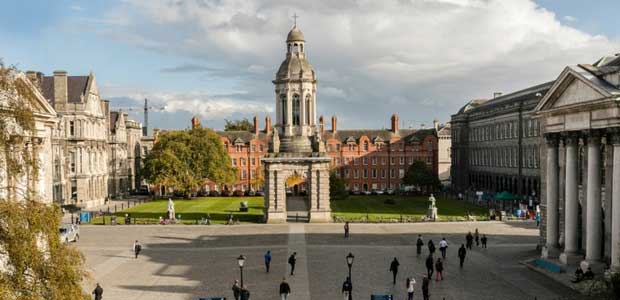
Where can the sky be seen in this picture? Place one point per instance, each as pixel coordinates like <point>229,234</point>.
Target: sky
<point>421,59</point>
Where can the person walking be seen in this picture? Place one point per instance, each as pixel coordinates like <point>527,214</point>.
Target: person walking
<point>394,269</point>
<point>267,260</point>
<point>477,237</point>
<point>443,246</point>
<point>419,243</point>
<point>291,261</point>
<point>98,292</point>
<point>236,289</point>
<point>431,247</point>
<point>439,269</point>
<point>484,241</point>
<point>430,265</point>
<point>469,239</point>
<point>285,289</point>
<point>537,219</point>
<point>137,247</point>
<point>346,229</point>
<point>347,289</point>
<point>425,294</point>
<point>462,253</point>
<point>245,293</point>
<point>410,288</point>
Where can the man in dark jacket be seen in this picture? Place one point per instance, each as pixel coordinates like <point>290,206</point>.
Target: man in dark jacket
<point>236,289</point>
<point>347,288</point>
<point>419,243</point>
<point>462,253</point>
<point>267,260</point>
<point>431,247</point>
<point>98,292</point>
<point>394,268</point>
<point>346,229</point>
<point>245,294</point>
<point>285,289</point>
<point>291,261</point>
<point>430,265</point>
<point>469,239</point>
<point>425,294</point>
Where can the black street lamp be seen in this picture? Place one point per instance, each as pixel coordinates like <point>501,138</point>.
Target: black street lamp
<point>350,258</point>
<point>241,262</point>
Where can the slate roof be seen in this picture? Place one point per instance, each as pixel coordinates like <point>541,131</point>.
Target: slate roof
<point>344,136</point>
<point>76,87</point>
<point>409,135</point>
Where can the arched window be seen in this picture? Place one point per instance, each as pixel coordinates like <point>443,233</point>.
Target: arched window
<point>296,110</point>
<point>308,106</point>
<point>283,108</point>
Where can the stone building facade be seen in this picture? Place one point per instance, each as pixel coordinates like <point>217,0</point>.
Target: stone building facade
<point>444,152</point>
<point>38,143</point>
<point>81,156</point>
<point>580,165</point>
<point>496,145</point>
<point>118,161</point>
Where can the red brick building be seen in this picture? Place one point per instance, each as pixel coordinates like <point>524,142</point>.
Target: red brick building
<point>368,159</point>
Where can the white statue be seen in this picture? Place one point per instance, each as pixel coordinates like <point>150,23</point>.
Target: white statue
<point>170,209</point>
<point>432,209</point>
<point>432,200</point>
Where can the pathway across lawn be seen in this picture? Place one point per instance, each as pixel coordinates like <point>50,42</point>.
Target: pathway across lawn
<point>374,208</point>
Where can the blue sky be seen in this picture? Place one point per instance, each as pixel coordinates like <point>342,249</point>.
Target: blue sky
<point>421,59</point>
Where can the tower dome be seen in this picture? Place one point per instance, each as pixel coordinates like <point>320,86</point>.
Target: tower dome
<point>295,35</point>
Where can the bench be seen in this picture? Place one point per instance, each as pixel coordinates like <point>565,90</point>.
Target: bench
<point>381,297</point>
<point>212,298</point>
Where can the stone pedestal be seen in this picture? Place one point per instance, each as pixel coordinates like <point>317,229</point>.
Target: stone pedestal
<point>320,216</point>
<point>432,213</point>
<point>550,252</point>
<point>570,258</point>
<point>275,217</point>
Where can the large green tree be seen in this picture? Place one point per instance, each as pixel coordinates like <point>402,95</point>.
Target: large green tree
<point>34,264</point>
<point>337,187</point>
<point>421,175</point>
<point>184,159</point>
<point>238,125</point>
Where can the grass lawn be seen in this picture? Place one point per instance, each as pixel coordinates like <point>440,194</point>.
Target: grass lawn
<point>354,208</point>
<point>219,208</point>
<point>412,207</point>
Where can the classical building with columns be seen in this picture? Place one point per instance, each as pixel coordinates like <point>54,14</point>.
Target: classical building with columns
<point>580,164</point>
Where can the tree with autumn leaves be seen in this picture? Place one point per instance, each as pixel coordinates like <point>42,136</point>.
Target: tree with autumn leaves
<point>184,159</point>
<point>34,264</point>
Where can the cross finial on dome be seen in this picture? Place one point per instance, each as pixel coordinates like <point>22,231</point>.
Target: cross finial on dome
<point>295,16</point>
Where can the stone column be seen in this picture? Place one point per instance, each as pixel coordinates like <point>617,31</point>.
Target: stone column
<point>615,205</point>
<point>551,248</point>
<point>594,227</point>
<point>571,195</point>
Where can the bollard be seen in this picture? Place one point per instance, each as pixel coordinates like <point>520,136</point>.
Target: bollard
<point>401,218</point>
<point>114,207</point>
<point>103,218</point>
<point>122,206</point>
<point>296,217</point>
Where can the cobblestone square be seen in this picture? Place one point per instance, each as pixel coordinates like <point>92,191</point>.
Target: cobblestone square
<point>187,262</point>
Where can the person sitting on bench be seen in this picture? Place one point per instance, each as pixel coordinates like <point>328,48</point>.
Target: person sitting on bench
<point>578,275</point>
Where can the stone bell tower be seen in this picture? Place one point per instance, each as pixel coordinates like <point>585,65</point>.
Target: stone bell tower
<point>295,92</point>
<point>298,150</point>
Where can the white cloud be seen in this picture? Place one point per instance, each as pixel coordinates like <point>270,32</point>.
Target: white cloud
<point>570,18</point>
<point>400,53</point>
<point>76,7</point>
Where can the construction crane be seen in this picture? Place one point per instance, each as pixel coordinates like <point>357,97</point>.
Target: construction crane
<point>146,108</point>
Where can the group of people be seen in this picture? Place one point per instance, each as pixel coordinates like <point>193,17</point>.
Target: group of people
<point>242,292</point>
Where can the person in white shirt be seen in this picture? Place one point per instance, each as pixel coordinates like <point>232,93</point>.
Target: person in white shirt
<point>410,289</point>
<point>443,246</point>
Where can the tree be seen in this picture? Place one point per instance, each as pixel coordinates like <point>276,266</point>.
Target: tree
<point>35,264</point>
<point>239,125</point>
<point>421,175</point>
<point>183,159</point>
<point>258,180</point>
<point>337,187</point>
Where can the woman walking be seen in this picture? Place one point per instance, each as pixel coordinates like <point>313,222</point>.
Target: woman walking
<point>439,269</point>
<point>410,288</point>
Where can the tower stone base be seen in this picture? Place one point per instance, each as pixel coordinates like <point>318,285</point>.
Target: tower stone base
<point>314,168</point>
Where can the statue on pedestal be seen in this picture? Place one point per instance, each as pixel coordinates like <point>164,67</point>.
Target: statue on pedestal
<point>171,215</point>
<point>432,209</point>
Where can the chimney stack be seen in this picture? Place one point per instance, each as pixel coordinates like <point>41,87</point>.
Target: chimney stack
<point>436,124</point>
<point>255,119</point>
<point>395,123</point>
<point>60,87</point>
<point>268,125</point>
<point>321,124</point>
<point>195,122</point>
<point>334,124</point>
<point>35,78</point>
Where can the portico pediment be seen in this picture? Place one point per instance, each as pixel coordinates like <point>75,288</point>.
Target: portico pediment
<point>575,86</point>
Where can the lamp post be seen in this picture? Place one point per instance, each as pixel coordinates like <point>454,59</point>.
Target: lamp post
<point>350,258</point>
<point>241,262</point>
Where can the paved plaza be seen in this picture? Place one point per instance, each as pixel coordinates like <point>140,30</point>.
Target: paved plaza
<point>187,262</point>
